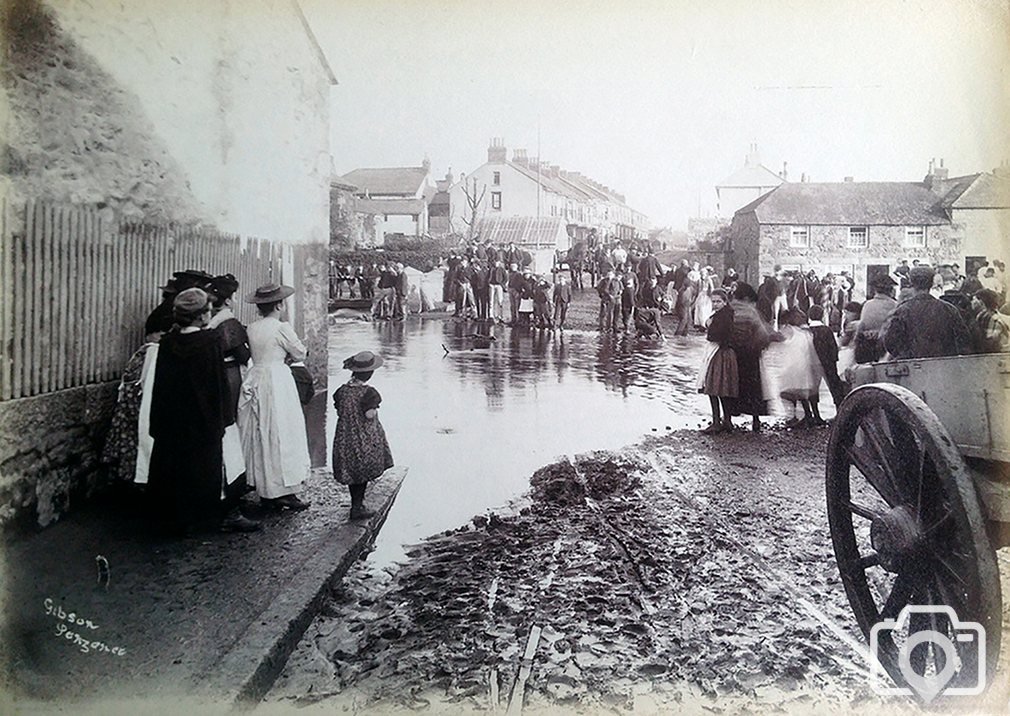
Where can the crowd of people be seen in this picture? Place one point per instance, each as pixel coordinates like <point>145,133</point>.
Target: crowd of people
<point>936,312</point>
<point>210,409</point>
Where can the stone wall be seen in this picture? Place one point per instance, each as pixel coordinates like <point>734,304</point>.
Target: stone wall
<point>829,249</point>
<point>743,249</point>
<point>49,451</point>
<point>315,303</point>
<point>235,92</point>
<point>191,111</point>
<point>71,134</point>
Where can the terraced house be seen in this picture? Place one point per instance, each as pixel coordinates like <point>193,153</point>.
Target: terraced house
<point>532,188</point>
<point>867,227</point>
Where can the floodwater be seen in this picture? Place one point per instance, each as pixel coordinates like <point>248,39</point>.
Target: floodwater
<point>473,419</point>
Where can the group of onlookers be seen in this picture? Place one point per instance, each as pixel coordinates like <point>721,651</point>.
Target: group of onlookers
<point>208,407</point>
<point>630,291</point>
<point>384,282</point>
<point>937,312</point>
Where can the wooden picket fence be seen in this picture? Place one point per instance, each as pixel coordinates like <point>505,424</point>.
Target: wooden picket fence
<point>75,291</point>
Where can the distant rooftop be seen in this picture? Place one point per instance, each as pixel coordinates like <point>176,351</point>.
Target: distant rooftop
<point>400,181</point>
<point>849,203</point>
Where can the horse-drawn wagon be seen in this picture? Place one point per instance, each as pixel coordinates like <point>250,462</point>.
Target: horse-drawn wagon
<point>918,497</point>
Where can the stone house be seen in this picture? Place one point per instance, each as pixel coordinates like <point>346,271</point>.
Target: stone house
<point>155,112</point>
<point>868,227</point>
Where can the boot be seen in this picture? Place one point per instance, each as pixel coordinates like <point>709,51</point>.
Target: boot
<point>235,521</point>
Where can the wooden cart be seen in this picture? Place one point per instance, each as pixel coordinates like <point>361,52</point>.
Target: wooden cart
<point>918,497</point>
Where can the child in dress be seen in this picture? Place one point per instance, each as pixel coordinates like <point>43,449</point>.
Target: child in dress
<point>719,377</point>
<point>360,450</point>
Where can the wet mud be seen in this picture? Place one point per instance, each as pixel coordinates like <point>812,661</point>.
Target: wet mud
<point>688,572</point>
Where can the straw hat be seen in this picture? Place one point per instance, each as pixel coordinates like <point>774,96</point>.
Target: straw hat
<point>271,293</point>
<point>363,361</point>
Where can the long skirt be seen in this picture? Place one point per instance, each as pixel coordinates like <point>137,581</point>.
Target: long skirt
<point>185,481</point>
<point>720,374</point>
<point>800,376</point>
<point>751,399</point>
<point>272,427</point>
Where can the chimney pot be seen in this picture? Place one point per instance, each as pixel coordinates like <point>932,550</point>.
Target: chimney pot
<point>848,180</point>
<point>497,152</point>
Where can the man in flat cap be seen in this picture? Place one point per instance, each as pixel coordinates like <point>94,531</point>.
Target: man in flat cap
<point>923,326</point>
<point>876,311</point>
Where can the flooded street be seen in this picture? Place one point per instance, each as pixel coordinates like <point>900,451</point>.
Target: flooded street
<point>473,424</point>
<point>661,567</point>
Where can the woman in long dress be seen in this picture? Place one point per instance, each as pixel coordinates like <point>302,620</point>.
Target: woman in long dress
<point>800,374</point>
<point>235,349</point>
<point>360,449</point>
<point>703,304</point>
<point>270,417</point>
<point>125,452</point>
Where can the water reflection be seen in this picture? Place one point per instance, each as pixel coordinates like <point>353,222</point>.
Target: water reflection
<point>473,412</point>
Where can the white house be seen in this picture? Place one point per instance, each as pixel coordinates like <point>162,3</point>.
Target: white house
<point>528,187</point>
<point>745,185</point>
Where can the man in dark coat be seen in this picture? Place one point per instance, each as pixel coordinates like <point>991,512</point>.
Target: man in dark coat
<point>609,290</point>
<point>481,289</point>
<point>923,326</point>
<point>562,297</point>
<point>648,268</point>
<point>826,349</point>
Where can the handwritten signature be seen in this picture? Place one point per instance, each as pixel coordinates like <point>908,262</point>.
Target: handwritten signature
<point>63,631</point>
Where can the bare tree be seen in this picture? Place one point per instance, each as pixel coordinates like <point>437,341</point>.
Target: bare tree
<point>473,201</point>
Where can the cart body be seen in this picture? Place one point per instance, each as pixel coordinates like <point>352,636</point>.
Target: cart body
<point>970,395</point>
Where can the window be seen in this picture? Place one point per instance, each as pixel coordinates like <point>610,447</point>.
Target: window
<point>496,200</point>
<point>799,236</point>
<point>496,178</point>
<point>858,237</point>
<point>915,236</point>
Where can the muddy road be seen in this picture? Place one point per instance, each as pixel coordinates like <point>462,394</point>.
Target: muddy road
<point>686,572</point>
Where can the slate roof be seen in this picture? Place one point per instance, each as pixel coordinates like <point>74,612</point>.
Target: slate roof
<point>523,230</point>
<point>390,206</point>
<point>403,181</point>
<point>984,191</point>
<point>849,204</point>
<point>750,176</point>
<point>341,183</point>
<point>554,184</point>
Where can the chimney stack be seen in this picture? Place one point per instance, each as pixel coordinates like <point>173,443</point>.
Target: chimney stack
<point>496,152</point>
<point>847,180</point>
<point>936,174</point>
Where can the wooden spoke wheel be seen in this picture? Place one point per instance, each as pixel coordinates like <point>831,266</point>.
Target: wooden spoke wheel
<point>907,530</point>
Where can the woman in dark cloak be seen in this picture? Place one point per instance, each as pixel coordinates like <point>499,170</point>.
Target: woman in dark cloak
<point>189,404</point>
<point>749,338</point>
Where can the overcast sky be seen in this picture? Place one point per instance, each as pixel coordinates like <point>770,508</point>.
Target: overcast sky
<point>660,100</point>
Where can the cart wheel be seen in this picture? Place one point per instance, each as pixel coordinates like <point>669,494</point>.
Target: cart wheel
<point>907,530</point>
